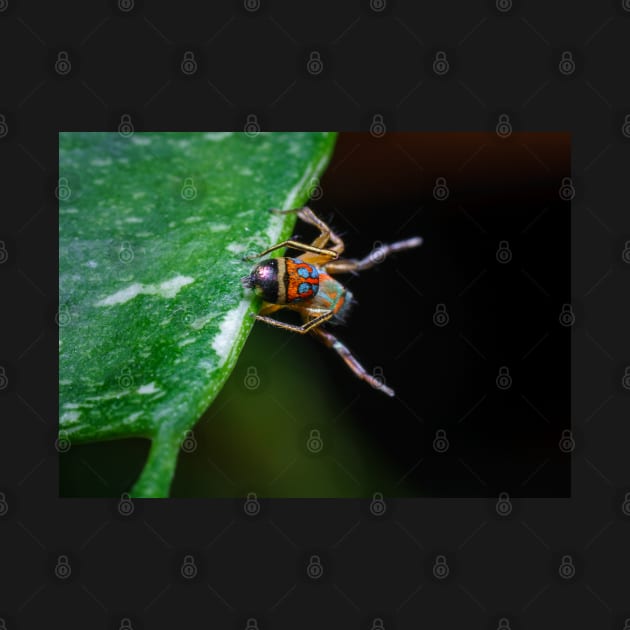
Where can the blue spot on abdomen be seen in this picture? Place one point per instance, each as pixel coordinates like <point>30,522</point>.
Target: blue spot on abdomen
<point>304,287</point>
<point>303,271</point>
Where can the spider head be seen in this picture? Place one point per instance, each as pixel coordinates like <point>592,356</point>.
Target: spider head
<point>264,280</point>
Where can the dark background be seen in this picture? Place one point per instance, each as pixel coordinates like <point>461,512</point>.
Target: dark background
<point>504,58</point>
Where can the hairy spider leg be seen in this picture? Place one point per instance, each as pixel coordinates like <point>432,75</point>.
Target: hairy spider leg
<point>325,233</point>
<point>330,341</point>
<point>304,328</point>
<point>375,257</point>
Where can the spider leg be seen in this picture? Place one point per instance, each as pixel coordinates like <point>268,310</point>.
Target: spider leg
<point>330,341</point>
<point>375,257</point>
<point>326,253</point>
<point>325,233</point>
<point>304,328</point>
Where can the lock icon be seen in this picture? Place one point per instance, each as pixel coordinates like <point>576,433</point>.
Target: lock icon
<point>377,373</point>
<point>251,5</point>
<point>567,63</point>
<point>4,128</point>
<point>625,254</point>
<point>440,316</point>
<point>251,507</point>
<point>125,254</point>
<point>125,126</point>
<point>189,443</point>
<point>440,190</point>
<point>504,624</point>
<point>625,506</point>
<point>4,506</point>
<point>504,380</point>
<point>252,128</point>
<point>504,505</point>
<point>625,128</point>
<point>377,624</point>
<point>62,568</point>
<point>566,443</point>
<point>625,381</point>
<point>315,65</point>
<point>440,63</point>
<point>125,624</point>
<point>566,568</point>
<point>378,5</point>
<point>504,5</point>
<point>4,379</point>
<point>4,254</point>
<point>440,568</point>
<point>567,317</point>
<point>315,570</point>
<point>189,192</point>
<point>125,379</point>
<point>125,505</point>
<point>567,190</point>
<point>315,191</point>
<point>252,380</point>
<point>251,624</point>
<point>377,505</point>
<point>62,63</point>
<point>504,126</point>
<point>377,126</point>
<point>63,190</point>
<point>189,63</point>
<point>62,443</point>
<point>504,253</point>
<point>314,443</point>
<point>440,442</point>
<point>125,5</point>
<point>189,568</point>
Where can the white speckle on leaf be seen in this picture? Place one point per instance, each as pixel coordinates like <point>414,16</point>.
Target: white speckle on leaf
<point>72,405</point>
<point>150,388</point>
<point>206,365</point>
<point>133,220</point>
<point>246,171</point>
<point>219,227</point>
<point>101,161</point>
<point>132,418</point>
<point>92,264</point>
<point>140,140</point>
<point>68,211</point>
<point>98,182</point>
<point>217,136</point>
<point>167,289</point>
<point>236,248</point>
<point>70,417</point>
<point>193,219</point>
<point>229,329</point>
<point>185,342</point>
<point>200,322</point>
<point>138,194</point>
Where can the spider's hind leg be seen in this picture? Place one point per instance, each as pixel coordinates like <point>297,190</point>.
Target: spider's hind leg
<point>350,360</point>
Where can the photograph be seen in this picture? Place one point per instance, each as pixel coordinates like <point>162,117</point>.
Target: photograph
<point>314,315</point>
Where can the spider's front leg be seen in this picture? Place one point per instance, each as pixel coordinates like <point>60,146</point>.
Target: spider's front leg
<point>375,257</point>
<point>350,360</point>
<point>308,326</point>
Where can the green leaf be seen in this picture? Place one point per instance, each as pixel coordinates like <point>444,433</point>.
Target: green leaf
<point>152,313</point>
